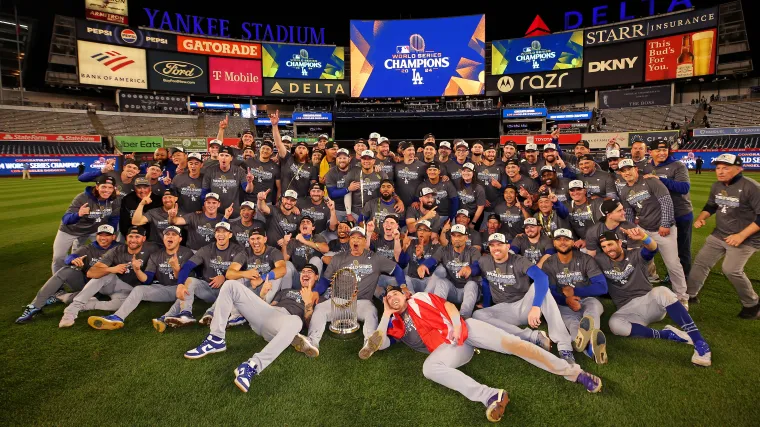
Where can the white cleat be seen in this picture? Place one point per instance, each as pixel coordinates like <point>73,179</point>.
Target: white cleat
<point>303,345</point>
<point>681,334</point>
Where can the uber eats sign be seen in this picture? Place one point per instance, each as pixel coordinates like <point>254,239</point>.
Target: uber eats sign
<point>138,144</point>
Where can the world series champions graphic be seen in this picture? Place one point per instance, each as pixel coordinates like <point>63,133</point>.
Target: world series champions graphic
<point>303,62</point>
<point>418,57</point>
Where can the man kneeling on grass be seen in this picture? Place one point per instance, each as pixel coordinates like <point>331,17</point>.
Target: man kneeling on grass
<point>429,324</point>
<point>278,323</point>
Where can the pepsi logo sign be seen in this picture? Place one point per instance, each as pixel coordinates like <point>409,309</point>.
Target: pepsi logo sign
<point>129,36</point>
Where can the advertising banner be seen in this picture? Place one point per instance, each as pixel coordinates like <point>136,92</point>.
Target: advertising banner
<point>751,158</point>
<point>511,113</point>
<point>56,137</point>
<point>303,62</point>
<point>229,142</point>
<point>668,136</point>
<point>570,116</point>
<point>50,165</point>
<point>549,81</point>
<point>216,47</point>
<point>177,72</point>
<point>635,97</point>
<point>681,56</point>
<point>234,76</point>
<point>536,54</point>
<point>755,130</point>
<point>655,27</point>
<point>124,36</point>
<point>600,140</point>
<point>134,102</point>
<point>115,11</point>
<point>418,57</point>
<point>312,117</point>
<point>267,122</point>
<point>564,138</point>
<point>108,65</point>
<point>189,144</point>
<point>138,144</point>
<point>291,88</point>
<point>614,65</point>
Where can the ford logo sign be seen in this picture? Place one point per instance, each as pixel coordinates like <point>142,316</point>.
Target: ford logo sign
<point>128,36</point>
<point>178,69</point>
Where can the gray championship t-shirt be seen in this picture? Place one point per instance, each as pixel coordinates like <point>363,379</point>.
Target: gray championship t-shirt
<point>265,177</point>
<point>336,178</point>
<point>511,219</point>
<point>368,267</point>
<point>300,254</point>
<point>443,192</point>
<point>370,187</point>
<point>532,251</point>
<point>676,171</point>
<point>471,196</point>
<point>583,215</point>
<point>319,213</point>
<point>407,178</point>
<point>92,253</point>
<point>509,280</point>
<point>158,263</point>
<point>264,263</point>
<point>411,336</point>
<point>529,183</point>
<point>435,223</point>
<point>120,255</point>
<point>228,185</point>
<point>550,223</point>
<point>384,247</point>
<point>279,224</point>
<point>738,205</point>
<point>189,190</point>
<point>215,261</point>
<point>414,261</point>
<point>562,190</point>
<point>200,229</point>
<point>291,300</point>
<point>241,232</point>
<point>100,213</point>
<point>377,209</point>
<point>626,279</point>
<point>643,197</point>
<point>577,273</point>
<point>485,174</point>
<point>596,230</point>
<point>297,176</point>
<point>158,220</point>
<point>599,183</point>
<point>453,262</point>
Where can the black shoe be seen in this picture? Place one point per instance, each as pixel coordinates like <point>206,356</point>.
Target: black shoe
<point>750,312</point>
<point>693,300</point>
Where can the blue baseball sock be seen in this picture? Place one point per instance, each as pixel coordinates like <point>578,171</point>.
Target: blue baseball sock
<point>678,313</point>
<point>642,331</point>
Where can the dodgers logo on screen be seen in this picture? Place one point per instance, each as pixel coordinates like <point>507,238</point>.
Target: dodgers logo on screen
<point>534,53</point>
<point>301,61</point>
<point>414,57</point>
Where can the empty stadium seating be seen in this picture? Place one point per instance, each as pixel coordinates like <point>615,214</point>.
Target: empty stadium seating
<point>645,118</point>
<point>37,120</point>
<point>43,148</point>
<point>235,126</point>
<point>734,114</point>
<point>132,124</point>
<point>723,142</point>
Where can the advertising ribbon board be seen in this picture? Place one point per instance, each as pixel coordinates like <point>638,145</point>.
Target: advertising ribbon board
<point>138,144</point>
<point>51,165</point>
<point>188,144</point>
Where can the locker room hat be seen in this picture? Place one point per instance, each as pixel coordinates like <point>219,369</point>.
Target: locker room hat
<point>315,186</point>
<point>258,231</point>
<point>344,152</point>
<point>175,149</point>
<point>215,142</point>
<point>374,135</point>
<point>530,221</point>
<point>302,144</point>
<point>387,181</point>
<point>547,168</point>
<point>195,156</point>
<point>426,190</point>
<point>494,216</point>
<point>424,223</point>
<point>728,159</point>
<point>490,146</point>
<point>531,147</point>
<point>311,267</point>
<point>105,229</point>
<point>360,141</point>
<point>584,143</point>
<point>393,217</point>
<point>247,132</point>
<point>469,166</point>
<point>329,144</point>
<point>267,143</point>
<point>512,162</point>
<point>479,142</point>
<point>323,136</point>
<point>142,182</point>
<point>428,135</point>
<point>445,144</point>
<point>405,144</point>
<point>613,154</point>
<point>224,224</point>
<point>170,192</point>
<point>576,183</point>
<point>156,165</point>
<point>172,228</point>
<point>512,143</point>
<point>625,163</point>
<point>550,146</point>
<point>135,229</point>
<point>290,194</point>
<point>586,157</point>
<point>497,237</point>
<point>460,143</point>
<point>383,140</point>
<point>287,138</point>
<point>227,150</point>
<point>607,207</point>
<point>434,165</point>
<point>307,218</point>
<point>212,195</point>
<point>368,153</point>
<point>656,145</point>
<point>248,205</point>
<point>391,288</point>
<point>359,230</point>
<point>563,232</point>
<point>106,179</point>
<point>464,212</point>
<point>459,228</point>
<point>609,235</point>
<point>543,195</point>
<point>429,143</point>
<point>131,162</point>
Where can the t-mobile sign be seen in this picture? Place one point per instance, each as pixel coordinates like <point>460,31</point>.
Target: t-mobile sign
<point>235,76</point>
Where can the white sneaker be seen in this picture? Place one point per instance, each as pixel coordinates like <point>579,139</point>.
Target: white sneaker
<point>67,320</point>
<point>681,334</point>
<point>372,345</point>
<point>303,345</point>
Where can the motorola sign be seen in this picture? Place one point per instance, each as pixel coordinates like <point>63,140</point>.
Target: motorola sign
<point>616,64</point>
<point>557,80</point>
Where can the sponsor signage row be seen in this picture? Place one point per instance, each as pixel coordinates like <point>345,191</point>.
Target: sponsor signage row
<point>569,116</point>
<point>235,76</point>
<point>267,122</point>
<point>177,72</point>
<point>138,144</point>
<point>115,11</point>
<point>600,140</point>
<point>650,137</point>
<point>312,117</point>
<point>614,65</point>
<point>559,80</point>
<point>535,54</point>
<point>596,140</point>
<point>682,56</point>
<point>49,137</point>
<point>108,65</point>
<point>216,47</point>
<point>754,130</point>
<point>750,158</point>
<point>635,97</point>
<point>511,113</point>
<point>296,88</point>
<point>51,165</point>
<point>188,144</point>
<point>125,36</point>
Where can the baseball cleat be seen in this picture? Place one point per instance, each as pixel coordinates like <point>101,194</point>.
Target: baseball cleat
<point>372,345</point>
<point>599,346</point>
<point>567,356</point>
<point>750,313</point>
<point>108,323</point>
<point>684,302</point>
<point>497,404</point>
<point>54,298</point>
<point>680,336</point>
<point>702,355</point>
<point>159,324</point>
<point>212,344</point>
<point>240,320</point>
<point>243,375</point>
<point>67,320</point>
<point>303,345</point>
<point>207,317</point>
<point>66,298</point>
<point>183,319</point>
<point>29,312</point>
<point>592,383</point>
<point>583,337</point>
<point>543,341</point>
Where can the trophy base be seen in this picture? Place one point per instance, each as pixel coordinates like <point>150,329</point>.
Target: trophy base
<point>343,332</point>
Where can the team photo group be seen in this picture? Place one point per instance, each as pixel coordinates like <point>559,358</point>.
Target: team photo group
<point>451,247</point>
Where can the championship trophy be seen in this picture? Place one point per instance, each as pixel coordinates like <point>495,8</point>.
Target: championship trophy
<point>344,290</point>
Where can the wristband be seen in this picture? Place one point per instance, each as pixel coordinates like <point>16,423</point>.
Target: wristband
<point>647,241</point>
<point>270,275</point>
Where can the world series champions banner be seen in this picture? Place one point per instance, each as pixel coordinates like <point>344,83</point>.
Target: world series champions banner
<point>288,61</point>
<point>418,57</point>
<point>534,54</point>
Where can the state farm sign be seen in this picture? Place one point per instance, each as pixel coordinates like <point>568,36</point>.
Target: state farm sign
<point>235,76</point>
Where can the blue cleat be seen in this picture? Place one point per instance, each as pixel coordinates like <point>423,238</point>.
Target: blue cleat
<point>237,321</point>
<point>567,356</point>
<point>54,299</point>
<point>107,323</point>
<point>592,383</point>
<point>212,344</point>
<point>29,312</point>
<point>702,355</point>
<point>243,375</point>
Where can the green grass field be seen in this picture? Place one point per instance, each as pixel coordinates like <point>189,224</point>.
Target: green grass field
<point>135,376</point>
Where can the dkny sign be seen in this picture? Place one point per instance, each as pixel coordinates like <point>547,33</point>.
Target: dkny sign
<point>618,64</point>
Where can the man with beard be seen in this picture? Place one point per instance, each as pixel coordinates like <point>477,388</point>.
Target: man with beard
<point>639,157</point>
<point>263,268</point>
<point>213,150</point>
<point>461,156</point>
<point>597,183</point>
<point>123,181</point>
<point>74,274</point>
<point>462,218</point>
<point>281,220</point>
<point>612,219</point>
<point>157,179</point>
<point>529,166</point>
<point>379,208</point>
<point>553,160</point>
<point>114,275</point>
<point>510,152</point>
<point>428,156</point>
<point>418,251</point>
<point>266,174</point>
<point>384,161</point>
<point>490,173</point>
<point>533,245</point>
<point>511,213</point>
<point>408,174</point>
<point>582,148</point>
<point>477,152</point>
<point>444,154</point>
<point>363,185</point>
<point>336,184</point>
<point>339,244</point>
<point>546,215</point>
<point>459,286</point>
<point>427,212</point>
<point>550,182</point>
<point>580,211</point>
<point>278,323</point>
<point>297,171</point>
<point>246,143</point>
<point>160,278</point>
<point>389,245</point>
<point>328,162</point>
<point>372,141</point>
<point>189,184</point>
<point>241,227</point>
<point>131,201</point>
<point>157,219</point>
<point>200,225</point>
<point>613,162</point>
<point>248,153</point>
<point>306,248</point>
<point>526,187</point>
<point>227,181</point>
<point>368,267</point>
<point>575,280</point>
<point>431,325</point>
<point>638,304</point>
<point>319,209</point>
<point>446,197</point>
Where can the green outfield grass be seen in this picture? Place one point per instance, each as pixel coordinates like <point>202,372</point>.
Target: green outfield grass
<point>135,376</point>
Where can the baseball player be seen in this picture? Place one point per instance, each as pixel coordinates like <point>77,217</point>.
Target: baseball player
<point>281,220</point>
<point>530,165</point>
<point>551,182</point>
<point>157,219</point>
<point>189,184</point>
<point>227,180</point>
<point>546,213</point>
<point>266,174</point>
<point>279,324</point>
<point>306,247</point>
<point>416,252</point>
<point>113,275</point>
<point>639,157</point>
<point>599,184</point>
<point>200,225</point>
<point>242,226</point>
<point>213,150</point>
<point>380,207</point>
<point>509,152</point>
<point>363,185</point>
<point>131,201</point>
<point>429,324</point>
<point>735,202</point>
<point>389,244</point>
<point>638,304</point>
<point>516,302</point>
<point>319,209</point>
<point>264,267</point>
<point>124,180</point>
<point>335,181</point>
<point>462,218</point>
<point>580,211</point>
<point>461,156</point>
<point>444,154</point>
<point>426,210</point>
<point>385,160</point>
<point>408,174</point>
<point>612,219</point>
<point>446,197</point>
<point>493,225</point>
<point>526,186</point>
<point>160,277</point>
<point>89,210</point>
<point>490,172</point>
<point>341,244</point>
<point>533,244</point>
<point>215,259</point>
<point>368,267</point>
<point>511,213</point>
<point>459,285</point>
<point>472,195</point>
<point>574,280</point>
<point>74,274</point>
<point>297,172</point>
